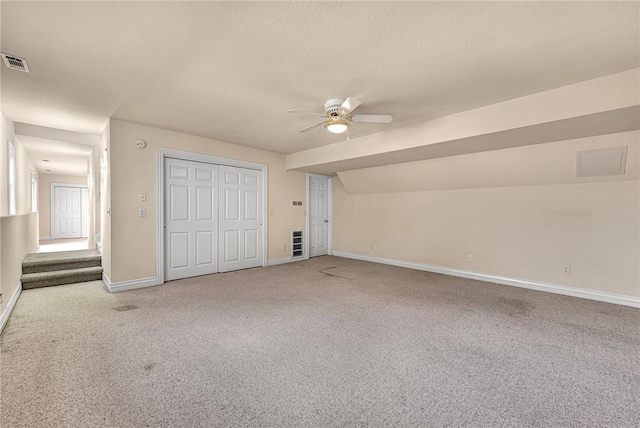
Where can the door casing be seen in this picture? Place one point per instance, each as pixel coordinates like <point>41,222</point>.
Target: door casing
<point>163,153</point>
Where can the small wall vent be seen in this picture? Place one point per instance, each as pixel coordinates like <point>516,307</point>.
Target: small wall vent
<point>602,162</point>
<point>297,244</point>
<point>15,63</point>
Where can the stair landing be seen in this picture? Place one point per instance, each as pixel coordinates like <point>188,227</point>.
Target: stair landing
<point>64,267</point>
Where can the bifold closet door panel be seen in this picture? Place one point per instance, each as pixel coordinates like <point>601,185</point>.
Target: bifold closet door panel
<point>240,244</point>
<point>191,223</point>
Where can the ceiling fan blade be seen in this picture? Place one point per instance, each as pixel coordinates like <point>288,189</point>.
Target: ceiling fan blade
<point>377,118</point>
<point>309,128</point>
<point>349,105</point>
<point>306,112</point>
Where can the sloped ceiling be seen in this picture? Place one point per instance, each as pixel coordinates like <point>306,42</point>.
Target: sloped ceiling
<point>542,164</point>
<point>230,70</point>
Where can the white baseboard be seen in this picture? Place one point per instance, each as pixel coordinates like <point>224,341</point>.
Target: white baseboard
<point>283,260</point>
<point>601,296</point>
<point>4,318</point>
<point>45,238</point>
<point>115,287</point>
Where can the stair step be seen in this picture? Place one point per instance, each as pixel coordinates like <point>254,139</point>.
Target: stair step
<point>59,277</point>
<point>64,260</point>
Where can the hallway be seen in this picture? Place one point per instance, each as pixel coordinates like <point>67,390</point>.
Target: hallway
<point>55,245</point>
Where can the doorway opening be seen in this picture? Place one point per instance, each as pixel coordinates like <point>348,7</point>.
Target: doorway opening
<point>64,210</point>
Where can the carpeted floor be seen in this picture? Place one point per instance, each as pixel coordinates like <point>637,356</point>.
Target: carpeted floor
<point>328,342</point>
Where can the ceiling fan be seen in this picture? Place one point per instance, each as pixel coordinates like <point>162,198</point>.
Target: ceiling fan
<point>338,117</point>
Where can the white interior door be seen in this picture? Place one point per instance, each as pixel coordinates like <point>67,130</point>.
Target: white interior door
<point>318,216</point>
<point>240,218</point>
<point>67,212</point>
<point>191,224</point>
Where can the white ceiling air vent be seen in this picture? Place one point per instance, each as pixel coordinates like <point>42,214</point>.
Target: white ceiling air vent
<point>602,162</point>
<point>15,63</point>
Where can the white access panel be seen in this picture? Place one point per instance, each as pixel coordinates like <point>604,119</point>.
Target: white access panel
<point>602,162</point>
<point>67,212</point>
<point>318,216</point>
<point>241,220</point>
<point>191,223</point>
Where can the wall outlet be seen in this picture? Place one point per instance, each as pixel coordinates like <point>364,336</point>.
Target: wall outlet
<point>142,212</point>
<point>469,257</point>
<point>566,270</point>
<point>143,197</point>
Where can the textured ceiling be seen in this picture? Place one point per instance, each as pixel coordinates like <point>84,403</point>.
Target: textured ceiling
<point>230,70</point>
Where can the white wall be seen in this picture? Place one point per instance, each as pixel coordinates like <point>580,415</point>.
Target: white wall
<point>6,134</point>
<point>93,180</point>
<point>24,167</point>
<point>133,171</point>
<point>105,198</point>
<point>523,228</point>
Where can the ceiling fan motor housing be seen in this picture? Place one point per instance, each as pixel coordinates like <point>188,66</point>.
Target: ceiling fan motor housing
<point>332,107</point>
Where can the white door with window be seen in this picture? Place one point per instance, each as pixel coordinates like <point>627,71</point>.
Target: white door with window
<point>67,212</point>
<point>240,218</point>
<point>318,216</point>
<point>191,223</point>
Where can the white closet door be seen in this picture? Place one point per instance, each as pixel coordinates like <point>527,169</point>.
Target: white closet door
<point>191,227</point>
<point>318,216</point>
<point>240,218</point>
<point>67,212</point>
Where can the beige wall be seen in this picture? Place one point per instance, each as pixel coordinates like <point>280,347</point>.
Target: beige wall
<point>133,171</point>
<point>18,233</point>
<point>19,237</point>
<point>44,198</point>
<point>523,231</point>
<point>541,164</point>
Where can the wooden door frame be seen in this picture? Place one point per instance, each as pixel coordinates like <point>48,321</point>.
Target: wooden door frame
<point>163,153</point>
<point>330,214</point>
<point>52,201</point>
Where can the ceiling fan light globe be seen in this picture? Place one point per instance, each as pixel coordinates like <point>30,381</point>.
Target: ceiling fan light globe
<point>337,127</point>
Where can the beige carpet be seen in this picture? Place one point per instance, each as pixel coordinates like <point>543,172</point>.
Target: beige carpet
<point>328,342</point>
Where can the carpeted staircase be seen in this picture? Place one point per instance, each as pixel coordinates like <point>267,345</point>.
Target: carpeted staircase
<point>64,267</point>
